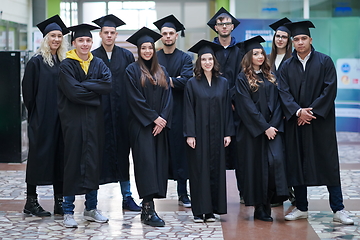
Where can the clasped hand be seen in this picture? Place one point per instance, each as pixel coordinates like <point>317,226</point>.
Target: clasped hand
<point>305,116</point>
<point>160,123</point>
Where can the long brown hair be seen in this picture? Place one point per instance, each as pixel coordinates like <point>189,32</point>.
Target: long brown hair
<point>250,74</point>
<point>156,75</point>
<point>274,51</point>
<point>200,72</point>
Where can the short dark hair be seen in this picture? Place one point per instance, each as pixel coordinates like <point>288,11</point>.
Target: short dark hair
<point>222,16</point>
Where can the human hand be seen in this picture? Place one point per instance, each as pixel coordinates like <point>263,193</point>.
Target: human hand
<point>157,130</point>
<point>227,141</point>
<point>305,116</point>
<point>160,122</point>
<point>271,133</point>
<point>191,142</point>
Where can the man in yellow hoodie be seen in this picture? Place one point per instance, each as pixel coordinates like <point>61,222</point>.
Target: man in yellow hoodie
<point>83,79</point>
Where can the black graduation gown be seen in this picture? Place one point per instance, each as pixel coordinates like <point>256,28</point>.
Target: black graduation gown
<point>177,64</point>
<point>312,154</point>
<point>150,154</point>
<point>115,164</point>
<point>258,111</point>
<point>230,66</point>
<point>208,118</point>
<point>46,147</point>
<point>81,116</point>
<point>275,71</point>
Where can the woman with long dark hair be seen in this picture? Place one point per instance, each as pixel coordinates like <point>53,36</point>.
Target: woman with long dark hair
<point>39,86</point>
<point>259,135</point>
<point>150,102</point>
<point>208,125</point>
<point>281,48</point>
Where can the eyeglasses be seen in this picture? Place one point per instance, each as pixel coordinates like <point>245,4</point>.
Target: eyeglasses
<point>281,36</point>
<point>225,24</point>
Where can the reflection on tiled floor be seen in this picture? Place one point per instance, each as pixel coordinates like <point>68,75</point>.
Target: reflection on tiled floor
<point>179,225</point>
<point>15,225</point>
<point>327,229</point>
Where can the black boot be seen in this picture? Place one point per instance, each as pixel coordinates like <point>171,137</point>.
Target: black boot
<point>58,201</point>
<point>33,207</point>
<point>261,213</point>
<point>149,216</point>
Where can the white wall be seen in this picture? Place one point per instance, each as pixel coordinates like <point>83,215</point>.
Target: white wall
<point>15,10</point>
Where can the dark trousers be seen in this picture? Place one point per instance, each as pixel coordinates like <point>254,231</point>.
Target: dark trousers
<point>335,198</point>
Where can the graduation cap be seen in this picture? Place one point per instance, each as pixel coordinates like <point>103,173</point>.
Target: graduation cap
<point>172,22</point>
<point>143,35</point>
<point>52,24</point>
<point>279,25</point>
<point>109,21</point>
<point>212,22</point>
<point>300,28</point>
<point>205,46</point>
<point>252,43</point>
<point>82,30</point>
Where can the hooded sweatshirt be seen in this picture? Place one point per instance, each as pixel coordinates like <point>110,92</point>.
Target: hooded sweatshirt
<point>84,64</point>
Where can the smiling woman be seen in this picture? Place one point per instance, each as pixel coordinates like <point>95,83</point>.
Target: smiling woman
<point>39,86</point>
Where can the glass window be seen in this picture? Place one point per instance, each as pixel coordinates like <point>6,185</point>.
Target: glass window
<point>135,14</point>
<point>68,13</point>
<point>93,10</point>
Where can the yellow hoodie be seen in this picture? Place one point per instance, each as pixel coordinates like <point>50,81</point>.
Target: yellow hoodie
<point>84,64</point>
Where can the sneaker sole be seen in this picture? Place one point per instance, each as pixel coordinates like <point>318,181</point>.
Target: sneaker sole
<point>293,219</point>
<point>338,220</point>
<point>198,220</point>
<point>95,220</point>
<point>70,226</point>
<point>184,204</point>
<point>210,220</point>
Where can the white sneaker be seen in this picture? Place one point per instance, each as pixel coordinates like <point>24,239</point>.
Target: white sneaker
<point>95,216</point>
<point>343,217</point>
<point>296,214</point>
<point>69,221</point>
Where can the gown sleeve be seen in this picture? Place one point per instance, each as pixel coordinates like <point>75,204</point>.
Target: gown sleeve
<point>290,106</point>
<point>229,121</point>
<point>30,84</point>
<point>166,111</point>
<point>325,102</point>
<point>186,73</point>
<point>74,90</point>
<point>101,85</point>
<point>136,99</point>
<point>249,114</point>
<point>189,111</point>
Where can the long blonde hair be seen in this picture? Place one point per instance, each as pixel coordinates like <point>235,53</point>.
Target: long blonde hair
<point>249,71</point>
<point>45,51</point>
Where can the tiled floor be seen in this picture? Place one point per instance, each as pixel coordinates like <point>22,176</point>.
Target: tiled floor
<point>237,224</point>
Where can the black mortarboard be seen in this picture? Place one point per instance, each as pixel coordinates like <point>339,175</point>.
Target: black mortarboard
<point>143,35</point>
<point>212,22</point>
<point>279,25</point>
<point>172,22</point>
<point>52,24</point>
<point>251,43</point>
<point>300,28</point>
<point>109,21</point>
<point>81,30</point>
<point>204,46</point>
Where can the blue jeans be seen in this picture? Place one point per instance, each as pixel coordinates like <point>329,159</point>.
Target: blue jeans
<point>335,198</point>
<point>181,187</point>
<point>125,189</point>
<point>90,202</point>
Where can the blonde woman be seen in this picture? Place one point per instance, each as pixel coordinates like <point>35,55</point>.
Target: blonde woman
<point>39,87</point>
